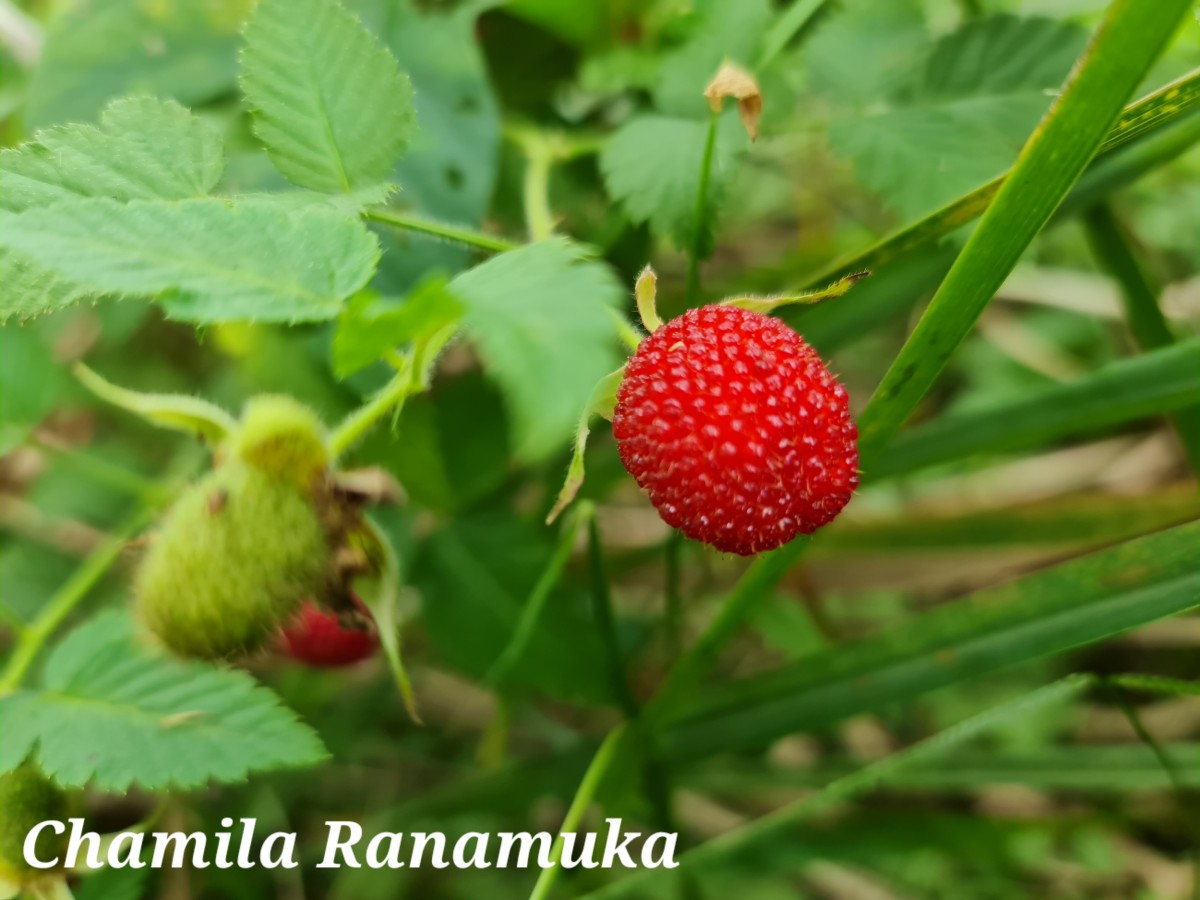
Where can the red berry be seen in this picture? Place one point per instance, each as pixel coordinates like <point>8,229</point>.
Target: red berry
<point>736,429</point>
<point>320,638</point>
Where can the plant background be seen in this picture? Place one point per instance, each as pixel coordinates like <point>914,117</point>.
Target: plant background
<point>1050,435</point>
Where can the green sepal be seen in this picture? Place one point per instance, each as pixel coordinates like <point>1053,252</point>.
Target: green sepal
<point>178,411</point>
<point>380,592</point>
<point>769,304</point>
<point>603,403</point>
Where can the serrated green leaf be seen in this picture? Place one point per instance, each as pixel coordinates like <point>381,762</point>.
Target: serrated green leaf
<point>540,318</point>
<point>30,290</point>
<point>652,165</point>
<point>207,260</point>
<point>983,89</point>
<point>143,149</point>
<point>449,170</point>
<point>866,49</point>
<point>95,52</point>
<point>111,714</point>
<point>329,101</point>
<point>1076,603</point>
<point>367,334</point>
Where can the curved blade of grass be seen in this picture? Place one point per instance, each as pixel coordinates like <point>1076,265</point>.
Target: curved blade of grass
<point>1076,603</point>
<point>1067,522</point>
<point>860,782</point>
<point>1148,116</point>
<point>1114,251</point>
<point>1098,769</point>
<point>1159,382</point>
<point>1127,43</point>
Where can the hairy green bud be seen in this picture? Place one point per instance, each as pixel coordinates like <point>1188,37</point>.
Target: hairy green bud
<point>283,438</point>
<point>26,799</point>
<point>236,555</point>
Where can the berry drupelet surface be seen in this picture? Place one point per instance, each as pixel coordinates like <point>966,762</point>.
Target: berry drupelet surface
<point>734,427</point>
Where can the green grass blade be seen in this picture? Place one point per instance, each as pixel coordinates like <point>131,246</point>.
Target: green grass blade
<point>1113,249</point>
<point>857,783</point>
<point>1095,769</point>
<point>1148,117</point>
<point>1162,381</point>
<point>1127,43</point>
<point>1064,522</point>
<point>1073,604</point>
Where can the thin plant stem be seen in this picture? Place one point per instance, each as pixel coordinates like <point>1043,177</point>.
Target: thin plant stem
<point>789,24</point>
<point>748,595</point>
<point>1117,693</point>
<point>414,371</point>
<point>68,597</point>
<point>694,252</point>
<point>389,401</point>
<point>539,596</point>
<point>855,784</point>
<point>586,792</point>
<point>539,219</point>
<point>1114,251</point>
<point>455,233</point>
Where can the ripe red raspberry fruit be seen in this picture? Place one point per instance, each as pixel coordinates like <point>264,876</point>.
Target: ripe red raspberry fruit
<point>318,637</point>
<point>736,429</point>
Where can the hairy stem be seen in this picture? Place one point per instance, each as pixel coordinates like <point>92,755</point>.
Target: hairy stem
<point>536,192</point>
<point>695,251</point>
<point>389,400</point>
<point>69,596</point>
<point>458,235</point>
<point>586,792</point>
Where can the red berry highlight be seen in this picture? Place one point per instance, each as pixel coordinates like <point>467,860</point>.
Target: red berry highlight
<point>320,638</point>
<point>734,427</point>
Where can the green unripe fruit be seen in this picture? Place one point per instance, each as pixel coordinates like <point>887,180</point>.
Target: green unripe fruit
<point>236,555</point>
<point>27,798</point>
<point>282,438</point>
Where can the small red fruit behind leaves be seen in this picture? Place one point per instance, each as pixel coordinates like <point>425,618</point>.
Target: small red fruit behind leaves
<point>734,427</point>
<point>323,638</point>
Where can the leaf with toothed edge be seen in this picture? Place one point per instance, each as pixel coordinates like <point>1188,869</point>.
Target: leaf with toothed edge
<point>206,260</point>
<point>149,720</point>
<point>330,102</point>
